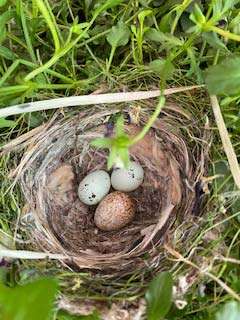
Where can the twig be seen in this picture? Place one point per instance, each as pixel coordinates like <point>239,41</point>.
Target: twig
<point>202,271</point>
<point>88,100</point>
<point>230,260</point>
<point>227,145</point>
<point>223,285</point>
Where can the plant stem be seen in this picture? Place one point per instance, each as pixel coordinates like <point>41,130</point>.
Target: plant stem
<point>150,121</point>
<point>202,51</point>
<point>179,11</point>
<point>203,272</point>
<point>225,33</point>
<point>9,72</point>
<point>34,86</point>
<point>16,63</point>
<point>34,9</point>
<point>56,56</point>
<point>113,49</point>
<point>51,24</point>
<point>58,51</point>
<point>43,68</point>
<point>14,89</point>
<point>17,40</point>
<point>26,34</point>
<point>140,44</point>
<point>216,57</point>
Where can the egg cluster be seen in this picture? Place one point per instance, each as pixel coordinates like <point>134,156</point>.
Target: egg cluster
<point>117,209</point>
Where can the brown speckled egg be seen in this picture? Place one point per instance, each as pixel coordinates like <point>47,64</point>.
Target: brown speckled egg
<point>115,211</point>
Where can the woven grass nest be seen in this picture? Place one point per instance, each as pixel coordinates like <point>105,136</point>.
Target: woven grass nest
<point>58,155</point>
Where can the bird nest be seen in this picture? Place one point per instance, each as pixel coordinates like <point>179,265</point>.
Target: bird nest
<point>58,155</point>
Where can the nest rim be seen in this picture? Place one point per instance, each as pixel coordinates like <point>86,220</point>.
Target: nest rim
<point>107,263</point>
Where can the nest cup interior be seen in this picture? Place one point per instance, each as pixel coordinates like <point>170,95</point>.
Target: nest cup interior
<point>62,156</point>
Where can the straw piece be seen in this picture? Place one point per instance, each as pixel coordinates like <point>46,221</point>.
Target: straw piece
<point>24,254</point>
<point>227,145</point>
<point>90,99</point>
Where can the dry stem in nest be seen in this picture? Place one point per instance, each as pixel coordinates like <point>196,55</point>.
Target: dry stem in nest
<point>58,156</point>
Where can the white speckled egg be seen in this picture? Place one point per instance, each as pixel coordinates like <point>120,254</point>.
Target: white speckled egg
<point>94,187</point>
<point>127,179</point>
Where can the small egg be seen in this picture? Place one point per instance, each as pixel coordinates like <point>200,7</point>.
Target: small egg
<point>129,179</point>
<point>94,187</point>
<point>115,211</point>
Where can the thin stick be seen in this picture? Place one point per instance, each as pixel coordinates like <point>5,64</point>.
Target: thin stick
<point>202,271</point>
<point>227,145</point>
<point>30,255</point>
<point>88,100</point>
<point>230,260</point>
<point>223,285</point>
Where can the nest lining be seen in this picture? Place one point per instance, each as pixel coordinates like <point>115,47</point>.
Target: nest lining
<point>59,156</point>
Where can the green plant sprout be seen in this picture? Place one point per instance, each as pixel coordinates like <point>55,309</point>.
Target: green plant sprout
<point>119,144</point>
<point>138,36</point>
<point>118,36</point>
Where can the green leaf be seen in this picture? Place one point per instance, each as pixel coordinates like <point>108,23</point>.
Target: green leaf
<point>230,311</point>
<point>214,41</point>
<point>105,6</point>
<point>79,28</point>
<point>32,301</point>
<point>119,35</point>
<point>101,142</point>
<point>166,22</point>
<point>164,68</point>
<point>234,24</point>
<point>159,296</point>
<point>2,2</point>
<point>134,30</point>
<point>5,17</point>
<point>6,53</point>
<point>224,78</point>
<point>220,8</point>
<point>63,315</point>
<point>122,141</point>
<point>3,34</point>
<point>194,65</point>
<point>112,158</point>
<point>197,16</point>
<point>227,100</point>
<point>161,37</point>
<point>6,123</point>
<point>143,14</point>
